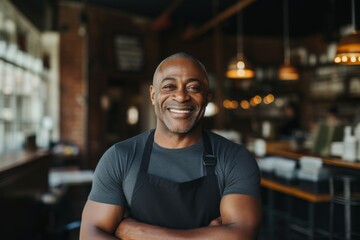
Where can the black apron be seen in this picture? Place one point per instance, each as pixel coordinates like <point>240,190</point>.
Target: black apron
<point>186,205</point>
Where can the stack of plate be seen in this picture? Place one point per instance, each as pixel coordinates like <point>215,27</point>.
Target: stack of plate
<point>311,169</point>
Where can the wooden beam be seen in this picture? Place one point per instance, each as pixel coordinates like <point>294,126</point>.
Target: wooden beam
<point>190,34</point>
<point>163,21</point>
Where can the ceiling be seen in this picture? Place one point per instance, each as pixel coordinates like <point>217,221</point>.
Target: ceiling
<point>260,17</point>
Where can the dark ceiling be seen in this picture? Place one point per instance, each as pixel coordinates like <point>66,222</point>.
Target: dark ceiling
<point>260,17</point>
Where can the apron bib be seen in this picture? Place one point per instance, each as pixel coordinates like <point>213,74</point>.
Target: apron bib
<point>185,205</point>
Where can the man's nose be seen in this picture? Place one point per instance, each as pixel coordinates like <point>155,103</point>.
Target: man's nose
<point>182,95</point>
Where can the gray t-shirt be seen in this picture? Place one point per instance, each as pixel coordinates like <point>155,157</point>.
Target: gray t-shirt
<point>116,172</point>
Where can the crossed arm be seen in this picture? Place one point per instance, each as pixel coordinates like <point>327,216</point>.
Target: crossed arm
<point>240,219</point>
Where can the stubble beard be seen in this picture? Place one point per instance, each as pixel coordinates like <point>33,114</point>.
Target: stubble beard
<point>171,125</point>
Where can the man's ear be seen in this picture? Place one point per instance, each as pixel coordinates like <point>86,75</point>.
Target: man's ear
<point>152,94</point>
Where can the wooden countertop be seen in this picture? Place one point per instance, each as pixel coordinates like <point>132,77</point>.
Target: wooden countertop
<point>283,149</point>
<point>14,159</point>
<point>295,191</point>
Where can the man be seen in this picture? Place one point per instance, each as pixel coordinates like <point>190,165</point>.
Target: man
<point>177,181</point>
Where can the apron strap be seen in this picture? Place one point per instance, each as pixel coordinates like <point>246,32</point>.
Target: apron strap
<point>147,151</point>
<point>208,157</point>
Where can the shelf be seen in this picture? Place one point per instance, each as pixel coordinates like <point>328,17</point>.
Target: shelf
<point>40,73</point>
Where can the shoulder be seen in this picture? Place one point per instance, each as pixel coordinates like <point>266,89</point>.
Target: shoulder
<point>237,169</point>
<point>230,154</point>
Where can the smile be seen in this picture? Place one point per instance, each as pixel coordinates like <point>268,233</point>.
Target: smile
<point>180,111</point>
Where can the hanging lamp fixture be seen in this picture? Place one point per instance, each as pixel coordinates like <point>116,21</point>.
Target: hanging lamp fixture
<point>348,50</point>
<point>287,71</point>
<point>239,67</point>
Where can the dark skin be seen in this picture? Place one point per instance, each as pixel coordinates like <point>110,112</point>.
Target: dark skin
<point>179,94</point>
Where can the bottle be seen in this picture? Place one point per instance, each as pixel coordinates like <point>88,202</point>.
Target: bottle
<point>357,137</point>
<point>260,147</point>
<point>349,143</point>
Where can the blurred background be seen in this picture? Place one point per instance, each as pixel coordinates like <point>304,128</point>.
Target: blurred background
<point>284,78</point>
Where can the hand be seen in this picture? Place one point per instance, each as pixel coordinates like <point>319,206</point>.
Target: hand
<point>216,222</point>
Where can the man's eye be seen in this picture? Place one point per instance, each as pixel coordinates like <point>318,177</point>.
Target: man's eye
<point>194,88</point>
<point>168,87</point>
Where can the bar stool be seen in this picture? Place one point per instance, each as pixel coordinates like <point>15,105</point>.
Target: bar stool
<point>344,190</point>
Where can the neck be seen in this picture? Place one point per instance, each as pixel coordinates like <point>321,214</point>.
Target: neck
<point>175,140</point>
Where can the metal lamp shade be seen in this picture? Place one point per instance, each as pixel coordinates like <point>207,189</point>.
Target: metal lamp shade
<point>348,50</point>
<point>239,68</point>
<point>288,72</point>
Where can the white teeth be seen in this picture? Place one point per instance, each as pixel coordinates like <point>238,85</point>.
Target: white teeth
<point>179,111</point>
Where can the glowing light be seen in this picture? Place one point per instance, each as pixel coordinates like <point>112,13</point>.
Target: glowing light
<point>257,99</point>
<point>132,115</point>
<point>245,104</point>
<point>234,104</point>
<point>227,104</point>
<point>348,50</point>
<point>269,98</point>
<point>210,110</point>
<point>252,102</point>
<point>239,68</point>
<point>240,65</point>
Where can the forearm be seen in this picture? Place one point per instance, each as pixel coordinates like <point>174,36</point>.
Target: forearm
<point>95,233</point>
<point>99,220</point>
<point>132,230</point>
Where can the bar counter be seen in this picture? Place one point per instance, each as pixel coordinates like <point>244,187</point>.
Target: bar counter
<point>283,149</point>
<point>23,179</point>
<point>319,206</point>
<point>14,159</point>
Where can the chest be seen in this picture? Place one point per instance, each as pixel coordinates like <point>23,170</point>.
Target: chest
<point>177,166</point>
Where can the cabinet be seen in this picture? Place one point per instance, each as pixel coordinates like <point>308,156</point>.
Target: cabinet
<point>23,81</point>
<point>330,85</point>
<point>23,180</point>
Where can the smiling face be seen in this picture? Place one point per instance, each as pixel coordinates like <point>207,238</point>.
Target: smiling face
<point>179,94</point>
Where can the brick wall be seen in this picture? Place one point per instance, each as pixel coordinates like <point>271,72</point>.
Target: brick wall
<point>72,78</point>
<point>88,69</point>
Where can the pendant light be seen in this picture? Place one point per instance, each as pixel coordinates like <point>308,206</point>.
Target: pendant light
<point>348,50</point>
<point>239,67</point>
<point>287,71</point>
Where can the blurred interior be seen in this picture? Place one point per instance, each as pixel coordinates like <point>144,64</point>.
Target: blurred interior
<point>74,79</point>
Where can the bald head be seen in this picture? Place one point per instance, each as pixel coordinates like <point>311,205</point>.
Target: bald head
<point>183,56</point>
